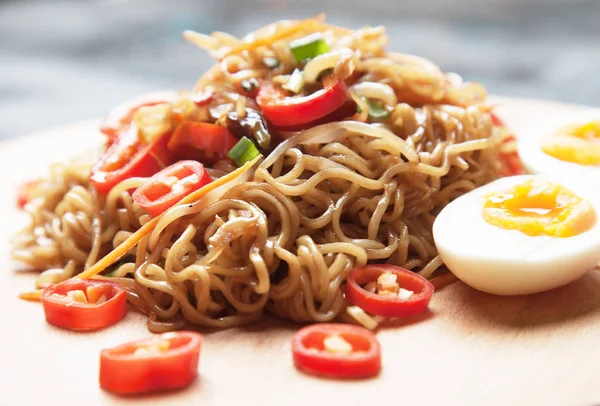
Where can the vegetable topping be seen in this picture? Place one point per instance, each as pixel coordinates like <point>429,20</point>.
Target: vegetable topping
<point>308,47</point>
<point>388,290</point>
<point>25,192</point>
<point>165,189</point>
<point>84,304</point>
<point>128,157</point>
<point>284,111</point>
<point>200,141</point>
<point>336,351</point>
<point>243,151</point>
<point>169,361</point>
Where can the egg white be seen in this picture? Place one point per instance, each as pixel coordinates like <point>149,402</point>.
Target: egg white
<point>509,262</point>
<point>537,161</point>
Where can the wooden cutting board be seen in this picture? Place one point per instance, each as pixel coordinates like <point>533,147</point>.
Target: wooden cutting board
<point>471,349</point>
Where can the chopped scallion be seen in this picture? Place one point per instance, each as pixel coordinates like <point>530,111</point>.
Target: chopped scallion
<point>263,138</point>
<point>295,83</point>
<point>308,47</point>
<point>248,85</point>
<point>243,151</point>
<point>271,63</point>
<point>377,110</point>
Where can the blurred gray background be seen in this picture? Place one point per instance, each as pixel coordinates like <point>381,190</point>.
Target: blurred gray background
<point>63,61</point>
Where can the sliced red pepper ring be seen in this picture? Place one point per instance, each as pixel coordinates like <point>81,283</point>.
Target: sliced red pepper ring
<point>347,110</point>
<point>284,111</point>
<point>337,351</point>
<point>167,361</point>
<point>84,305</point>
<point>25,191</point>
<point>128,158</point>
<point>166,188</point>
<point>204,142</point>
<point>388,305</point>
<point>119,118</point>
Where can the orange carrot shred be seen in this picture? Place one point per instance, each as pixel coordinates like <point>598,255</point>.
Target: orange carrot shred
<point>31,296</point>
<point>133,239</point>
<point>257,42</point>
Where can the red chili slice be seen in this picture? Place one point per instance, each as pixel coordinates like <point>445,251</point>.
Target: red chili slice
<point>25,191</point>
<point>128,158</point>
<point>165,189</point>
<point>167,361</point>
<point>204,142</point>
<point>284,111</point>
<point>388,305</point>
<point>345,111</point>
<point>119,118</point>
<point>312,356</point>
<point>101,304</point>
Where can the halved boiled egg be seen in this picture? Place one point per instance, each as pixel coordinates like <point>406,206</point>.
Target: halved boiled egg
<point>520,235</point>
<point>567,151</point>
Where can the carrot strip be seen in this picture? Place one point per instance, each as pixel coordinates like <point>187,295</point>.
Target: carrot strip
<point>31,296</point>
<point>133,239</point>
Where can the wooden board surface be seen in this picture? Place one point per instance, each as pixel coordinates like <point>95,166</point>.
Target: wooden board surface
<point>471,349</point>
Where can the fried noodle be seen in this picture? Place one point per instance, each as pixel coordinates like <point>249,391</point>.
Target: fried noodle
<point>346,194</point>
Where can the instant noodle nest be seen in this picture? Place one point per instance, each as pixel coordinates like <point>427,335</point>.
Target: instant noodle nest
<point>283,236</point>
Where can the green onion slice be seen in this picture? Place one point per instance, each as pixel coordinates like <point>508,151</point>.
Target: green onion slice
<point>377,110</point>
<point>308,47</point>
<point>243,151</point>
<point>296,82</point>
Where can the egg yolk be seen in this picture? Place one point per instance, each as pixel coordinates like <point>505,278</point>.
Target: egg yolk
<point>575,143</point>
<point>537,207</point>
